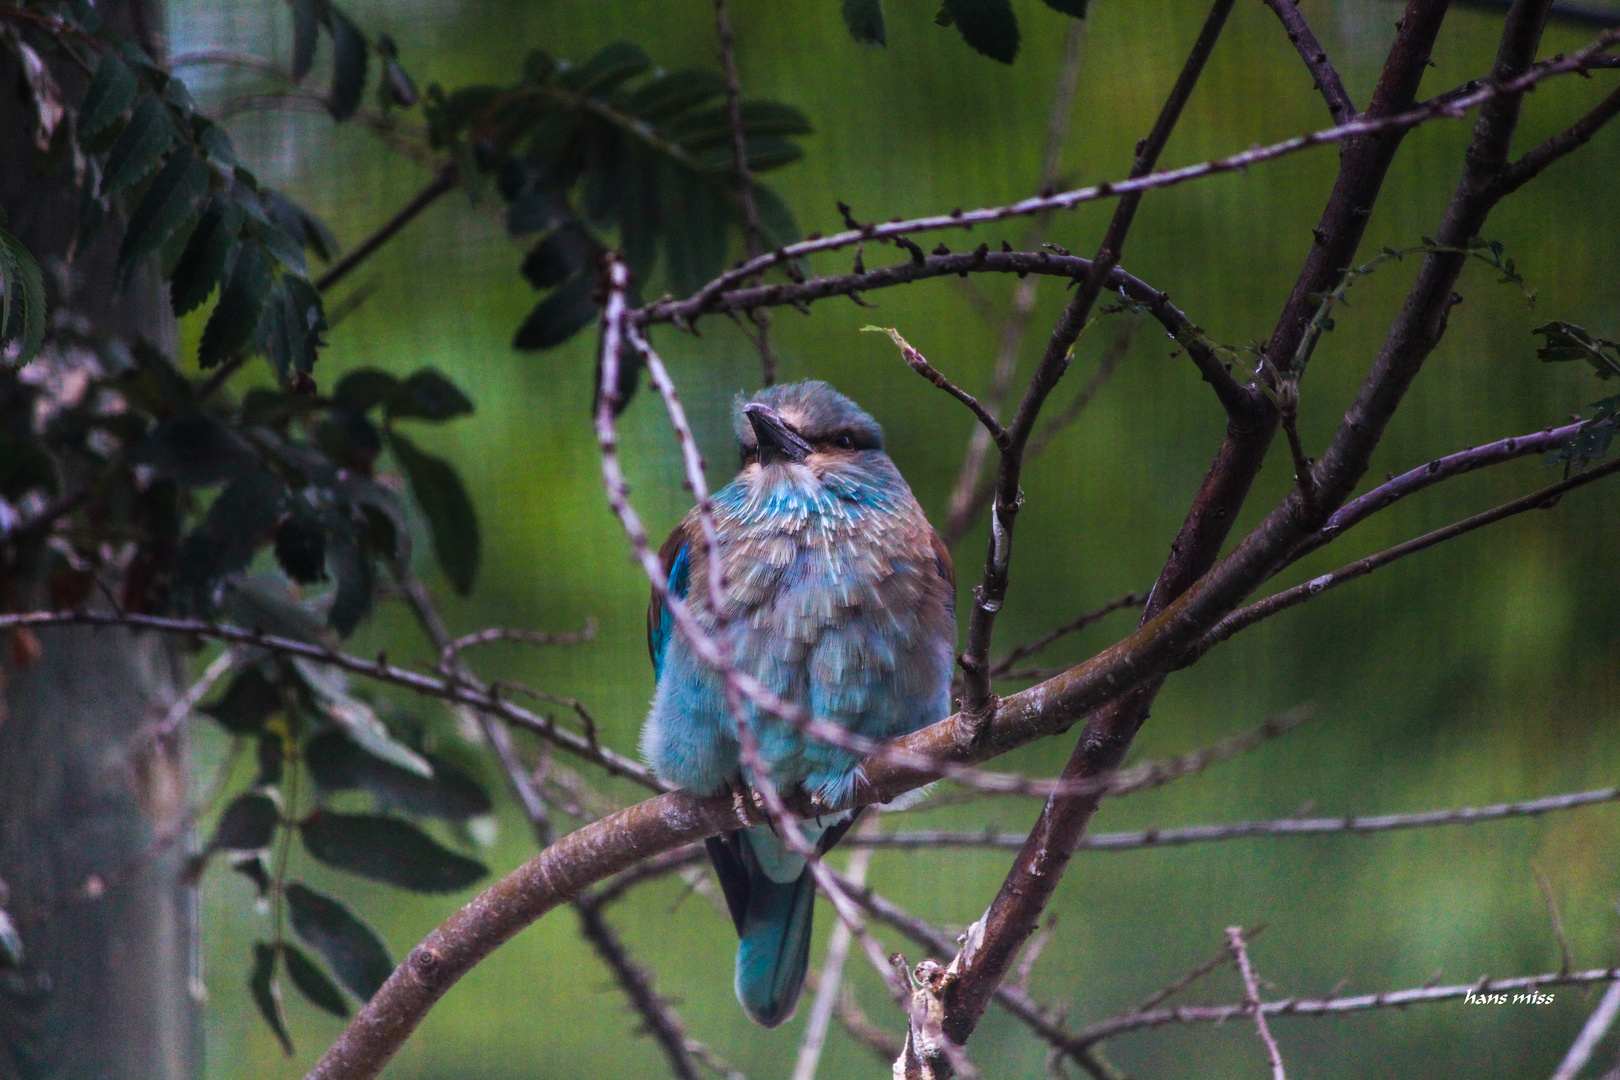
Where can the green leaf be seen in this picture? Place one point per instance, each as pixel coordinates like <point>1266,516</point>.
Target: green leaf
<point>22,307</point>
<point>694,212</point>
<point>352,564</point>
<point>170,200</point>
<point>765,152</point>
<point>776,224</point>
<point>235,528</point>
<point>988,26</point>
<point>252,867</point>
<point>312,982</point>
<point>267,993</point>
<point>356,718</point>
<point>111,91</point>
<point>864,20</point>
<point>349,58</point>
<point>247,704</point>
<point>196,449</point>
<point>607,70</point>
<point>306,21</point>
<point>337,764</point>
<point>564,312</point>
<point>1566,341</point>
<point>670,95</point>
<point>215,142</point>
<point>248,824</point>
<point>712,127</point>
<point>560,254</point>
<point>388,850</point>
<point>301,548</point>
<point>1074,8</point>
<point>291,326</point>
<point>364,388</point>
<point>449,512</point>
<point>203,259</point>
<point>427,395</point>
<point>351,948</point>
<point>147,135</point>
<point>241,303</point>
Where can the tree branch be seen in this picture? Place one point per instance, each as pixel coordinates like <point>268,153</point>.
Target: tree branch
<point>1572,138</point>
<point>1251,1000</point>
<point>919,363</point>
<point>1340,107</point>
<point>443,181</point>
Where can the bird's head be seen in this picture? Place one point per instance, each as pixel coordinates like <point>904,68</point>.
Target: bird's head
<point>806,427</point>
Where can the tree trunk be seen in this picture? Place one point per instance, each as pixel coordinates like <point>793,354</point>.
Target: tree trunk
<point>92,818</point>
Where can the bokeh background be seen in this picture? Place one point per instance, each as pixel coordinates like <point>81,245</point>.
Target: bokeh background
<point>1479,672</point>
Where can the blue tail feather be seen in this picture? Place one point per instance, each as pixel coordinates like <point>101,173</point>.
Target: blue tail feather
<point>774,951</point>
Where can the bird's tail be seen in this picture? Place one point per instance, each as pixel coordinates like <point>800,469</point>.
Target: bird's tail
<point>772,897</point>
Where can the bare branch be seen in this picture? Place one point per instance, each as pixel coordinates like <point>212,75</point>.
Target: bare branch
<point>453,649</point>
<point>1246,617</point>
<point>1597,1025</point>
<point>919,363</point>
<point>1316,59</point>
<point>659,1019</point>
<point>1572,138</point>
<point>1451,105</point>
<point>1251,1000</point>
<point>443,182</point>
<point>1335,1006</point>
<point>1040,644</point>
<point>1220,959</point>
<point>1359,825</point>
<point>1565,953</point>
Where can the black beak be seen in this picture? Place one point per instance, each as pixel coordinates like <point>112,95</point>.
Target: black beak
<point>777,441</point>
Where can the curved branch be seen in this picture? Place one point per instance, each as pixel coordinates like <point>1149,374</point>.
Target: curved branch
<point>1340,107</point>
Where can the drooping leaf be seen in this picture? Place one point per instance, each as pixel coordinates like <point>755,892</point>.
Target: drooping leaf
<point>776,224</point>
<point>351,948</point>
<point>712,127</point>
<point>306,22</point>
<point>292,325</point>
<point>304,228</point>
<point>22,307</point>
<point>364,388</point>
<point>561,253</point>
<point>337,764</point>
<point>111,91</point>
<point>764,153</point>
<point>195,449</point>
<point>607,70</point>
<point>670,95</point>
<point>449,512</point>
<point>236,526</point>
<point>247,704</point>
<point>427,395</point>
<point>215,141</point>
<point>988,26</point>
<point>248,823</point>
<point>396,87</point>
<point>353,567</point>
<point>388,850</point>
<point>864,21</point>
<point>170,200</point>
<point>694,212</point>
<point>203,260</point>
<point>313,983</point>
<point>1565,341</point>
<point>149,133</point>
<point>267,993</point>
<point>359,720</point>
<point>349,59</point>
<point>1073,8</point>
<point>241,304</point>
<point>252,867</point>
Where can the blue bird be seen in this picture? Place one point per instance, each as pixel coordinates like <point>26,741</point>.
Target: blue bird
<point>840,598</point>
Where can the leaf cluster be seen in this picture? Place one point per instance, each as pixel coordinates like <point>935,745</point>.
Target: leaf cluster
<point>1564,342</point>
<point>989,27</point>
<point>309,725</point>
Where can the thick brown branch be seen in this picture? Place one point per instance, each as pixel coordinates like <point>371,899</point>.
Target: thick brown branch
<point>1572,138</point>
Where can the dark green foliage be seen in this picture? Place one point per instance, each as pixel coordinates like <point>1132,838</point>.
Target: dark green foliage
<point>241,302</point>
<point>203,259</point>
<point>248,702</point>
<point>313,983</point>
<point>1566,341</point>
<point>148,134</point>
<point>388,850</point>
<point>301,549</point>
<point>306,18</point>
<point>22,307</point>
<point>864,20</point>
<point>111,92</point>
<point>449,512</point>
<point>427,395</point>
<point>988,26</point>
<point>337,764</point>
<point>569,308</point>
<point>356,575</point>
<point>349,57</point>
<point>291,326</point>
<point>236,526</point>
<point>169,202</point>
<point>396,87</point>
<point>1074,8</point>
<point>561,253</point>
<point>351,948</point>
<point>267,994</point>
<point>248,824</point>
<point>195,449</point>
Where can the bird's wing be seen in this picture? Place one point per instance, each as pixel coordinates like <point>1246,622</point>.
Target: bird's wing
<point>673,557</point>
<point>942,563</point>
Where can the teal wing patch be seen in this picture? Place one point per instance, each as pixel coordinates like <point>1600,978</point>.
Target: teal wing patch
<point>660,623</point>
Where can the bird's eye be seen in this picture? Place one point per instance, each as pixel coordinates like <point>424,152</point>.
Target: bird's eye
<point>844,441</point>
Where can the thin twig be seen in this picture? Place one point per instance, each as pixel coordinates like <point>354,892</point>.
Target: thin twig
<point>830,980</point>
<point>1040,644</point>
<point>1170,990</point>
<point>1566,954</point>
<point>443,182</point>
<point>919,363</point>
<point>1354,825</point>
<point>452,649</point>
<point>1572,138</point>
<point>1251,1000</point>
<point>1316,59</point>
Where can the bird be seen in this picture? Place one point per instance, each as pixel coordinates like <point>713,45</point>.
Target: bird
<point>839,597</point>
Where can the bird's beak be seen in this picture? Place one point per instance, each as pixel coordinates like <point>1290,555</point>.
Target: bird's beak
<point>777,441</point>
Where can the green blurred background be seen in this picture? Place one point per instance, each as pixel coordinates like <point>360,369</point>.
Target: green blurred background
<point>1479,672</point>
